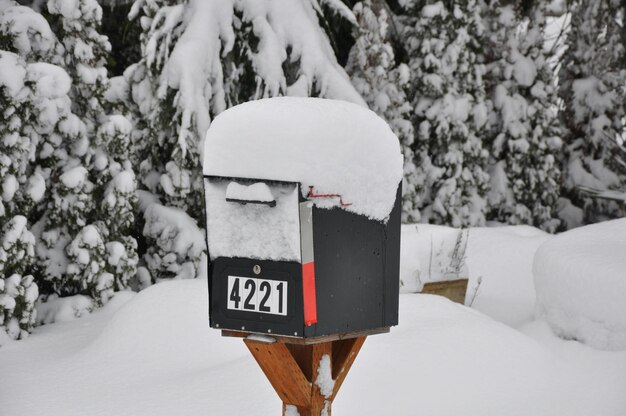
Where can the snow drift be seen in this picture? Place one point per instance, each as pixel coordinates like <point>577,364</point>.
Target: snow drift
<point>580,279</point>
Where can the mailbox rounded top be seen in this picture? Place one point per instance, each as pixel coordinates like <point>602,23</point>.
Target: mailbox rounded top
<point>342,154</point>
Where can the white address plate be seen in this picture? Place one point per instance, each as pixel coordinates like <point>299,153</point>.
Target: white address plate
<point>257,295</point>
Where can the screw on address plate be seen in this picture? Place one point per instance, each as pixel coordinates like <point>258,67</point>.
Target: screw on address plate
<point>256,269</point>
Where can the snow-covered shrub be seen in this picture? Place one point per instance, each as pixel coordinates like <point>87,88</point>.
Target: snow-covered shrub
<point>450,113</point>
<point>18,291</point>
<point>71,252</point>
<point>581,284</point>
<point>122,260</point>
<point>86,271</point>
<point>18,295</point>
<point>381,82</point>
<point>591,84</point>
<point>177,247</point>
<point>14,148</point>
<point>118,185</point>
<point>525,140</point>
<point>63,309</point>
<point>71,201</point>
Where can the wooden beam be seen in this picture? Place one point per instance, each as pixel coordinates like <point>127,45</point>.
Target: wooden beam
<point>283,372</point>
<point>345,353</point>
<point>319,402</point>
<point>293,371</point>
<point>303,355</point>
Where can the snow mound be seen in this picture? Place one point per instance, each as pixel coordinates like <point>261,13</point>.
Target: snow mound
<point>580,279</point>
<point>65,309</point>
<point>165,320</point>
<point>335,147</point>
<point>155,355</point>
<point>500,261</point>
<point>497,261</point>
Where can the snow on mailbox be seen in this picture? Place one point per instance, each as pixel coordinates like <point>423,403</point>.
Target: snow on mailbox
<point>303,218</point>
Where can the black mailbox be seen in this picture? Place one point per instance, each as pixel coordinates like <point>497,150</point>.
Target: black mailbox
<point>286,257</point>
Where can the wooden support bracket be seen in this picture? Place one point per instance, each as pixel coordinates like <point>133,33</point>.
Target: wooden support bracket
<point>293,371</point>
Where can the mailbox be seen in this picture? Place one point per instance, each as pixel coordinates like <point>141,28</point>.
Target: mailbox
<point>303,200</point>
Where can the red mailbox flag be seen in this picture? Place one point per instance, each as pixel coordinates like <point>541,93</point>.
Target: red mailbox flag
<point>308,263</point>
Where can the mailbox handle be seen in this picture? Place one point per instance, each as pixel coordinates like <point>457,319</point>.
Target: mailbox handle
<point>270,204</point>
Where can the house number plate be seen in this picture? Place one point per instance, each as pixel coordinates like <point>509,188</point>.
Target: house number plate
<point>257,295</point>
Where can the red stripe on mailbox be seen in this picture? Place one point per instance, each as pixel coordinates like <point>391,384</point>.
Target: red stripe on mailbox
<point>308,291</point>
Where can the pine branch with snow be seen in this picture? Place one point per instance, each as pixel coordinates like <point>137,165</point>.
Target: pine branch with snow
<point>77,23</point>
<point>382,82</point>
<point>450,112</point>
<point>18,291</point>
<point>592,79</point>
<point>525,133</point>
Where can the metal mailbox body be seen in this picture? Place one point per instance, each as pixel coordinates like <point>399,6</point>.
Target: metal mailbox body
<point>356,276</point>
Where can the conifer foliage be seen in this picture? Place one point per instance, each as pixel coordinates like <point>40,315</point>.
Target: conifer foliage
<point>54,171</point>
<point>592,80</point>
<point>525,135</point>
<point>382,82</point>
<point>450,112</point>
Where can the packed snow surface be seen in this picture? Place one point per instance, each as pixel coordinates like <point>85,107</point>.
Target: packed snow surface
<point>316,142</point>
<point>152,353</point>
<point>580,278</point>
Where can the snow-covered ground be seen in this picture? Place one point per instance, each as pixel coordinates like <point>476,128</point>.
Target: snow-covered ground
<point>152,353</point>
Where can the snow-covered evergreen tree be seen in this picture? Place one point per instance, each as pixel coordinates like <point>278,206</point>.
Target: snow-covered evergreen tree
<point>14,147</point>
<point>592,80</point>
<point>119,199</point>
<point>86,49</point>
<point>381,82</point>
<point>107,157</point>
<point>443,42</point>
<point>525,177</point>
<point>18,291</point>
<point>58,151</point>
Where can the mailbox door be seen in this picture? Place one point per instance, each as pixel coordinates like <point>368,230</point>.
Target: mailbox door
<point>256,296</point>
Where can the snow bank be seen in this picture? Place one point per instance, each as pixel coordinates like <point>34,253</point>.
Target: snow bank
<point>333,146</point>
<point>156,356</point>
<point>500,261</point>
<point>497,261</point>
<point>580,278</point>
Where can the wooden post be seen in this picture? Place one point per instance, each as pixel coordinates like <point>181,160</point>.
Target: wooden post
<point>293,370</point>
